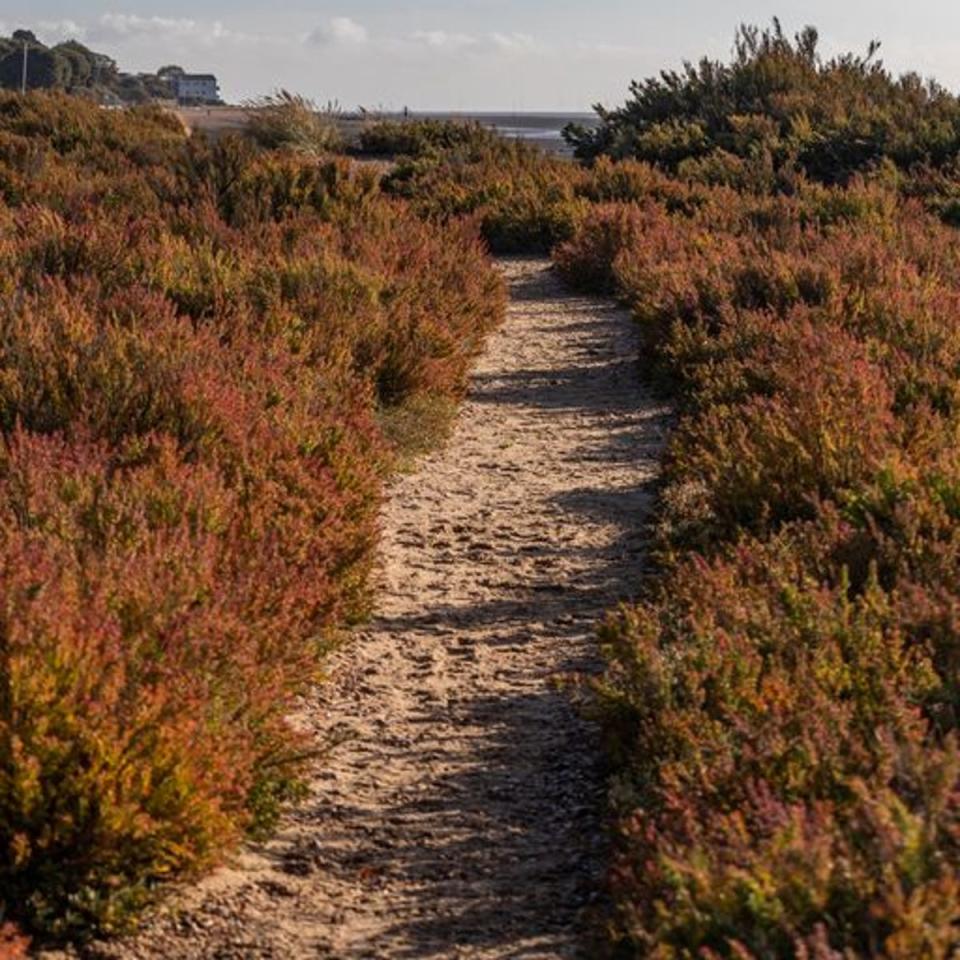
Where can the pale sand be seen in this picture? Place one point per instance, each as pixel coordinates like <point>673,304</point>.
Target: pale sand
<point>465,816</point>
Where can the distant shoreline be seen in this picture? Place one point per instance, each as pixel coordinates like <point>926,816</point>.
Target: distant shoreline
<point>543,128</point>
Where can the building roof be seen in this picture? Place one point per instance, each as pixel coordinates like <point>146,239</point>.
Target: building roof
<point>207,77</point>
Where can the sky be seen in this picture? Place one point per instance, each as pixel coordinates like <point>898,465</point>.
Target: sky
<point>498,55</point>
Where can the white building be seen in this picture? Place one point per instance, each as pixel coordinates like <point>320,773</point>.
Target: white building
<point>196,88</point>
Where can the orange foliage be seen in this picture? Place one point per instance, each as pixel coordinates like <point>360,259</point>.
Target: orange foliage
<point>197,343</point>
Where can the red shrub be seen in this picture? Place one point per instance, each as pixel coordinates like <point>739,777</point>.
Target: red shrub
<point>13,946</point>
<point>820,429</point>
<point>783,714</point>
<point>587,260</point>
<point>196,344</point>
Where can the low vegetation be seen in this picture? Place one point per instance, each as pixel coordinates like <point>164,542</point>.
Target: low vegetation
<point>520,200</point>
<point>197,345</point>
<point>205,351</point>
<point>781,704</point>
<point>287,120</point>
<point>421,138</point>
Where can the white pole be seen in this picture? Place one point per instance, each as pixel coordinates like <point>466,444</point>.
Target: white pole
<point>23,78</point>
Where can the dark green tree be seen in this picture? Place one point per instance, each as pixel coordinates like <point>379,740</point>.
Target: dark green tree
<point>82,62</point>
<point>46,70</point>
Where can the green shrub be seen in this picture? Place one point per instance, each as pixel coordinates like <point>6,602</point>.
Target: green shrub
<point>778,106</point>
<point>522,200</point>
<point>288,120</point>
<point>420,138</point>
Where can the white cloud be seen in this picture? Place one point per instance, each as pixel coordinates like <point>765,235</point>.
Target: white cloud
<point>126,26</point>
<point>614,50</point>
<point>61,29</point>
<point>512,42</point>
<point>442,40</point>
<point>339,30</point>
<point>117,28</point>
<point>479,44</point>
<point>113,29</point>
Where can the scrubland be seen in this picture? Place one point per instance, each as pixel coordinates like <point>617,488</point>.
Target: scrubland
<point>782,705</point>
<point>199,349</point>
<point>201,346</point>
<point>781,701</point>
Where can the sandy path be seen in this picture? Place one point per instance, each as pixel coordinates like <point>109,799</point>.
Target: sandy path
<point>463,817</point>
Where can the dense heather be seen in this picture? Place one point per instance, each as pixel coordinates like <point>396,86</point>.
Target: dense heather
<point>783,705</point>
<point>198,347</point>
<point>781,702</point>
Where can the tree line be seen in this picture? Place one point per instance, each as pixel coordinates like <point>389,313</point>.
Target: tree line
<point>75,68</point>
